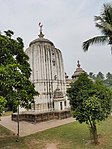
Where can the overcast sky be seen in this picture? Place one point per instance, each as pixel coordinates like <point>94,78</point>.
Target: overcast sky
<point>67,23</point>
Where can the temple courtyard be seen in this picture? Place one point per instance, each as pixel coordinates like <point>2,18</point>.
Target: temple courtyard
<point>27,128</point>
<point>63,135</point>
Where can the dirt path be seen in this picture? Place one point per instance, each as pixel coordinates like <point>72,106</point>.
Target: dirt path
<point>27,128</point>
<point>51,146</point>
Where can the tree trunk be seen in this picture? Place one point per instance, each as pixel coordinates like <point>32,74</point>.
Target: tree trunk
<point>93,134</point>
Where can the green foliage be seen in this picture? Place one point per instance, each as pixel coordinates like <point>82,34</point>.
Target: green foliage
<point>90,102</point>
<point>100,76</point>
<point>2,104</point>
<point>108,80</point>
<point>15,71</point>
<point>104,24</point>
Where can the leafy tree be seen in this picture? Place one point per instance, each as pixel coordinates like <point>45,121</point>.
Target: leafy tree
<point>109,76</point>
<point>90,102</point>
<point>104,24</point>
<point>15,72</point>
<point>100,76</point>
<point>92,75</point>
<point>108,80</point>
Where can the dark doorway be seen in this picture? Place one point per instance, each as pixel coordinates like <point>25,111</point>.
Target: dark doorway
<point>61,106</point>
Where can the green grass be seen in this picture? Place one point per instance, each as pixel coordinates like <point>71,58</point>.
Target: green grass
<point>7,113</point>
<point>69,136</point>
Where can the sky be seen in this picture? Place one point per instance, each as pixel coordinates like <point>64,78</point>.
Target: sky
<point>67,23</point>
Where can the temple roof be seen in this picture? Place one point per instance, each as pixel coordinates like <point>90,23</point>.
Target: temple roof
<point>41,38</point>
<point>58,94</point>
<point>78,71</point>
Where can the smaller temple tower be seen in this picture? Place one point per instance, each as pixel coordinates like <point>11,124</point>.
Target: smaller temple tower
<point>77,72</point>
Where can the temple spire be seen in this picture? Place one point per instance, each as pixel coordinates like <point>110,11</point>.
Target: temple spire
<point>41,35</point>
<point>78,65</point>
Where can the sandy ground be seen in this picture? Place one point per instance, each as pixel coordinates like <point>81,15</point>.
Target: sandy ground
<point>51,146</point>
<point>27,128</point>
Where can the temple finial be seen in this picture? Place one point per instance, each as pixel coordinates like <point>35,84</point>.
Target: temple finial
<point>78,65</point>
<point>41,35</point>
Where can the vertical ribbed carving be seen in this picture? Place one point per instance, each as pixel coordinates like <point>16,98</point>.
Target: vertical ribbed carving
<point>47,71</point>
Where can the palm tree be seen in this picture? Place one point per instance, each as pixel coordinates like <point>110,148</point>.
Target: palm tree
<point>104,23</point>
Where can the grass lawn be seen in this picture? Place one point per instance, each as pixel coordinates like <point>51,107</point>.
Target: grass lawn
<point>69,136</point>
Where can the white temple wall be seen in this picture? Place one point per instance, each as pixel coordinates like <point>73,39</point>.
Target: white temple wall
<point>59,105</point>
<point>47,72</point>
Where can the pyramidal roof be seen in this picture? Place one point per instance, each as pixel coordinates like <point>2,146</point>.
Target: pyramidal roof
<point>78,71</point>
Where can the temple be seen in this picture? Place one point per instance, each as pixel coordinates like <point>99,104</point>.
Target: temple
<point>50,80</point>
<point>47,74</point>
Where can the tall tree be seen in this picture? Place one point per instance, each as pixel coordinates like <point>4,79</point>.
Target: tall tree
<point>90,102</point>
<point>108,80</point>
<point>92,75</point>
<point>104,24</point>
<point>100,76</point>
<point>109,76</point>
<point>15,72</point>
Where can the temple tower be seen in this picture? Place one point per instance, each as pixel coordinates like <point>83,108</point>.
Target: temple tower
<point>47,75</point>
